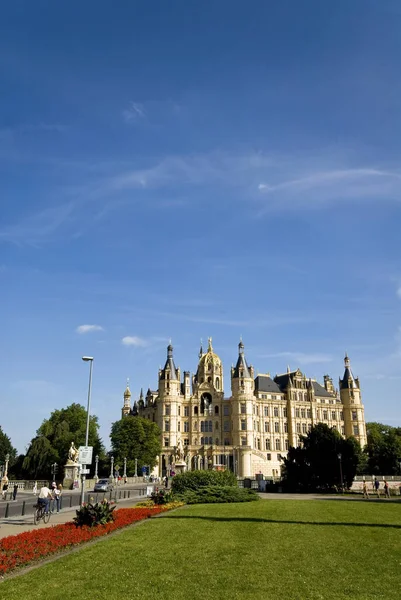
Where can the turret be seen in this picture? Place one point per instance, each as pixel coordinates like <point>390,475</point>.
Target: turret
<point>169,377</point>
<point>242,381</point>
<point>350,395</point>
<point>126,409</point>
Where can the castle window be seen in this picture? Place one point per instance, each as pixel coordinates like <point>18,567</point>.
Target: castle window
<point>196,410</point>
<point>268,456</point>
<point>356,430</point>
<point>217,383</point>
<point>243,425</point>
<point>354,415</point>
<point>309,413</point>
<point>166,442</point>
<point>298,427</point>
<point>243,408</point>
<point>267,445</point>
<point>186,426</point>
<point>186,442</point>
<point>266,427</point>
<point>286,445</point>
<point>325,415</point>
<point>276,411</point>
<point>179,426</point>
<point>285,412</point>
<point>179,411</point>
<point>167,410</point>
<point>186,411</point>
<point>216,410</point>
<point>166,425</point>
<point>243,441</point>
<point>278,444</point>
<point>202,426</point>
<point>286,427</point>
<point>297,412</point>
<point>304,428</point>
<point>333,415</point>
<point>258,443</point>
<point>303,413</point>
<point>266,411</point>
<point>277,427</point>
<point>226,411</point>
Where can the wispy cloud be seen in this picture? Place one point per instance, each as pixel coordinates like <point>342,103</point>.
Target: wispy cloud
<point>35,228</point>
<point>134,113</point>
<point>301,358</point>
<point>133,340</point>
<point>319,188</point>
<point>88,328</point>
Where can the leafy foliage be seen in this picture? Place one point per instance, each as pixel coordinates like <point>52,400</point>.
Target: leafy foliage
<point>161,497</point>
<point>6,447</point>
<point>383,449</point>
<point>215,494</point>
<point>135,438</point>
<point>54,438</point>
<point>317,466</point>
<point>94,514</point>
<point>193,480</point>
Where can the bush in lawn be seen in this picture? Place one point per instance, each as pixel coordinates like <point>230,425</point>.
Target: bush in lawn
<point>193,480</point>
<point>161,497</point>
<point>94,514</point>
<point>218,495</point>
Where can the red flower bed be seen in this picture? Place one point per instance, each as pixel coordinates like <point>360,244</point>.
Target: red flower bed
<point>21,549</point>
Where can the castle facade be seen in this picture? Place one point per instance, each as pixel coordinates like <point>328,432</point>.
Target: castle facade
<point>250,431</point>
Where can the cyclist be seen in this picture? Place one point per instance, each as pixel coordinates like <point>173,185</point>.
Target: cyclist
<point>44,498</point>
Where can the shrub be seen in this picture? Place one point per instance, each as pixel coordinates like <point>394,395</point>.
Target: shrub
<point>161,497</point>
<point>218,495</point>
<point>94,514</point>
<point>194,480</point>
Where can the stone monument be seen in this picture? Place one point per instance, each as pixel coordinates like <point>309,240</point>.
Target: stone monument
<point>180,464</point>
<point>71,469</point>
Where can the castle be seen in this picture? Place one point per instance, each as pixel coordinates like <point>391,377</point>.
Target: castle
<point>250,431</point>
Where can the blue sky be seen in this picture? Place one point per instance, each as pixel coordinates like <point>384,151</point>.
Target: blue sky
<point>191,169</point>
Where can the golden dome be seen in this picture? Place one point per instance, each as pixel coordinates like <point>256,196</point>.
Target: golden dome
<point>127,393</point>
<point>209,357</point>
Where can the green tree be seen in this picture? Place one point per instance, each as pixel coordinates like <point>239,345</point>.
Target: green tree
<point>135,438</point>
<point>383,449</point>
<point>54,438</point>
<point>317,465</point>
<point>6,447</point>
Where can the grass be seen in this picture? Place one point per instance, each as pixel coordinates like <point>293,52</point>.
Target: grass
<point>279,549</point>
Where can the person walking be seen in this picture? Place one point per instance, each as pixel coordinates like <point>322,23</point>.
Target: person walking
<point>377,486</point>
<point>386,489</point>
<point>4,487</point>
<point>15,490</point>
<point>35,488</point>
<point>365,490</point>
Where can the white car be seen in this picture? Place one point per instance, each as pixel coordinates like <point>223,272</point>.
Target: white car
<point>103,485</point>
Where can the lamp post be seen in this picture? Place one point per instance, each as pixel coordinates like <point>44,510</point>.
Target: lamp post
<point>125,467</point>
<point>136,468</point>
<point>83,467</point>
<point>111,466</point>
<point>96,466</point>
<point>341,471</point>
<point>6,465</point>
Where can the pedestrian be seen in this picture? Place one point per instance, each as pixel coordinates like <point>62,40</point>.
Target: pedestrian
<point>386,489</point>
<point>15,490</point>
<point>166,482</point>
<point>35,488</point>
<point>377,486</point>
<point>4,487</point>
<point>365,490</point>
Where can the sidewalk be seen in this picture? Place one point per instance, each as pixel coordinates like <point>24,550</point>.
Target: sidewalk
<point>16,525</point>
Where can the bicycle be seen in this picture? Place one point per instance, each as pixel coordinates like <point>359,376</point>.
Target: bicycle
<point>40,514</point>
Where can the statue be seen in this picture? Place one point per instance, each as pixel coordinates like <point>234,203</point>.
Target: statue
<point>180,450</point>
<point>73,453</point>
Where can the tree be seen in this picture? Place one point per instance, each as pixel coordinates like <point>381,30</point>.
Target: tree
<point>383,449</point>
<point>135,438</point>
<point>6,447</point>
<point>54,438</point>
<point>324,458</point>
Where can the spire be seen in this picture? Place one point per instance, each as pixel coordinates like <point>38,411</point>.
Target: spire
<point>169,366</point>
<point>348,380</point>
<point>241,368</point>
<point>288,369</point>
<point>209,345</point>
<point>127,393</point>
<point>200,350</point>
<point>141,394</point>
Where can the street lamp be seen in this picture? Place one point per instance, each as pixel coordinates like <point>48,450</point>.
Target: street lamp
<point>341,471</point>
<point>96,466</point>
<point>111,466</point>
<point>125,468</point>
<point>136,468</point>
<point>83,467</point>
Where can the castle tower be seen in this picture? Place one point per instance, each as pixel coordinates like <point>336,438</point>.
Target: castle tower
<point>126,409</point>
<point>170,399</point>
<point>242,388</point>
<point>350,395</point>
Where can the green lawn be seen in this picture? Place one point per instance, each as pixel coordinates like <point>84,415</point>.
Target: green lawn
<point>279,549</point>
